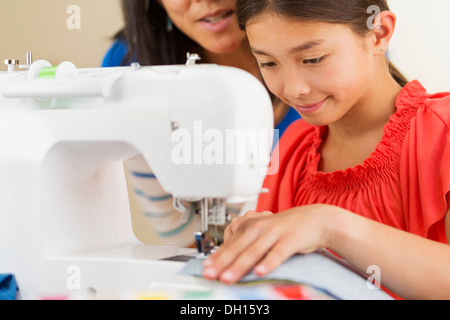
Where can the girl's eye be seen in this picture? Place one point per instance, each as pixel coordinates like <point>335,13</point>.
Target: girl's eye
<point>313,61</point>
<point>268,65</point>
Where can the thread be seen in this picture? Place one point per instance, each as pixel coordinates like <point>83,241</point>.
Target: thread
<point>62,71</point>
<point>48,73</point>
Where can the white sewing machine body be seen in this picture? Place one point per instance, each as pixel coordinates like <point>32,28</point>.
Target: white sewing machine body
<point>64,207</point>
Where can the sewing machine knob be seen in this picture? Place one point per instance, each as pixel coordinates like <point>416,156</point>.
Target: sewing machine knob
<point>192,58</point>
<point>135,65</point>
<point>11,63</point>
<point>29,62</point>
<point>29,58</point>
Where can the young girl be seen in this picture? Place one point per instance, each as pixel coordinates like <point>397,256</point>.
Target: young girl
<point>161,32</point>
<point>366,173</point>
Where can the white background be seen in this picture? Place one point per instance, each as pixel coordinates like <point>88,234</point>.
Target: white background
<point>420,48</point>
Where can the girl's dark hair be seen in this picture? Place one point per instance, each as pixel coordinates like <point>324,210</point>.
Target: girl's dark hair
<point>354,13</point>
<point>148,38</point>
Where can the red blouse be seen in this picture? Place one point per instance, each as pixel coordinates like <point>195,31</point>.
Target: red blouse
<point>402,184</point>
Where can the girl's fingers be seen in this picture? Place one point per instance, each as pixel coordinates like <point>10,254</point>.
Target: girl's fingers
<point>266,242</point>
<point>244,263</point>
<point>242,252</point>
<point>282,251</point>
<point>225,256</point>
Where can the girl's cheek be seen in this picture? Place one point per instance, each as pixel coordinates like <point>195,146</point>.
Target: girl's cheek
<point>275,85</point>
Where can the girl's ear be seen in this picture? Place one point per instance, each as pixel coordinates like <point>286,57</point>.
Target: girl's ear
<point>383,31</point>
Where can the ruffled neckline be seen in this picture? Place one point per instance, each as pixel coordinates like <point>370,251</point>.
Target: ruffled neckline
<point>386,156</point>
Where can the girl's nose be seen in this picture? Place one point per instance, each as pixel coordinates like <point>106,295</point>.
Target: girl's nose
<point>296,86</point>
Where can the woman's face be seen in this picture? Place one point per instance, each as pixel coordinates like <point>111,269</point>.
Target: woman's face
<point>320,69</point>
<point>210,23</point>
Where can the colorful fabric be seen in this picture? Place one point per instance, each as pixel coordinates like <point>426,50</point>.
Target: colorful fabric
<point>8,287</point>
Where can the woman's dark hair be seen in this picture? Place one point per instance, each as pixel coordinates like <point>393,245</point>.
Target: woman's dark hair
<point>354,13</point>
<point>149,40</point>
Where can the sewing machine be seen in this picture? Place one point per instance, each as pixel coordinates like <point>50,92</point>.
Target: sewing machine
<point>65,226</point>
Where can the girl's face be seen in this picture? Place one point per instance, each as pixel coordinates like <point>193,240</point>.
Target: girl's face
<point>320,69</point>
<point>211,23</point>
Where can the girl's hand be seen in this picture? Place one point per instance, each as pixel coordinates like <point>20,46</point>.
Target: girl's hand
<point>266,240</point>
<point>236,222</point>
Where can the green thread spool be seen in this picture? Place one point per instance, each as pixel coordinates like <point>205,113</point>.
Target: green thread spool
<point>63,71</point>
<point>48,73</point>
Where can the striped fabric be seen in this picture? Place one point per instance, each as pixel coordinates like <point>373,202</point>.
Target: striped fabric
<point>157,206</point>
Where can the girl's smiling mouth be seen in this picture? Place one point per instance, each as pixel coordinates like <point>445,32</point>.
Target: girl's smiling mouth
<point>310,108</point>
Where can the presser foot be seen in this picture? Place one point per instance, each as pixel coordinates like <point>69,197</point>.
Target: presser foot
<point>205,245</point>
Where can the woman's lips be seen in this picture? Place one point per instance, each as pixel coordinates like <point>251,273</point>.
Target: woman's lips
<point>218,21</point>
<point>310,108</point>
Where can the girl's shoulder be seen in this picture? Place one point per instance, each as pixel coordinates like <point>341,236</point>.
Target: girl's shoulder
<point>439,105</point>
<point>424,163</point>
<point>422,106</point>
